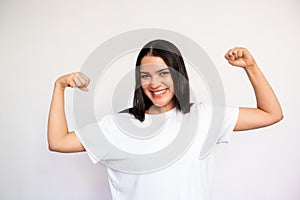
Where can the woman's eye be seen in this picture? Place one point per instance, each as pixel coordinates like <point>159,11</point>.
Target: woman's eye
<point>164,73</point>
<point>144,76</point>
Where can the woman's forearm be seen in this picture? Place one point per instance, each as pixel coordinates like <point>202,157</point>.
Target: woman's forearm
<point>265,97</point>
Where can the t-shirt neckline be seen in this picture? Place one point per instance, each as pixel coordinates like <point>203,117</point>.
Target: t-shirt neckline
<point>164,114</point>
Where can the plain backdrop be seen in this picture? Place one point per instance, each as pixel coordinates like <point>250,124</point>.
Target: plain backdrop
<point>41,40</point>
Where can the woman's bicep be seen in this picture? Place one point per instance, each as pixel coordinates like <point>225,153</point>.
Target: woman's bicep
<point>69,143</point>
<point>252,118</point>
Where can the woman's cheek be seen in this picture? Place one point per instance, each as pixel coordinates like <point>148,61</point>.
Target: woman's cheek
<point>144,86</point>
<point>169,83</point>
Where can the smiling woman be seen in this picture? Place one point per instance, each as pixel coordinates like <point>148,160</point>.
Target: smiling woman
<point>162,93</point>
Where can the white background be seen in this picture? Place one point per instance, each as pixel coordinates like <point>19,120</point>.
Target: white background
<point>41,40</point>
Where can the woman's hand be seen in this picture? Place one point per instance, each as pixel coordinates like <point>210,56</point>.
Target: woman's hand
<point>241,57</point>
<point>75,79</point>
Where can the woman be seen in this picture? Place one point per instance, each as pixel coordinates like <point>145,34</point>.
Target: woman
<point>163,88</point>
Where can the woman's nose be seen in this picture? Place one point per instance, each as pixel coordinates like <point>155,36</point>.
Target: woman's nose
<point>155,82</point>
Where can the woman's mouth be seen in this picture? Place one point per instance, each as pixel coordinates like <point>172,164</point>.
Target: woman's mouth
<point>159,93</point>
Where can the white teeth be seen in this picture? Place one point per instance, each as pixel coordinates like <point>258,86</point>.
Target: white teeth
<point>159,92</point>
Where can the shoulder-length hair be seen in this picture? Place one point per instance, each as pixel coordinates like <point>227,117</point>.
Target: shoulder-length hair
<point>173,58</point>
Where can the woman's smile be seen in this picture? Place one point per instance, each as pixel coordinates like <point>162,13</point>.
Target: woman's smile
<point>159,93</point>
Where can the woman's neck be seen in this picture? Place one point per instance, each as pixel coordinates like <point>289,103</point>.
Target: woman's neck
<point>154,110</point>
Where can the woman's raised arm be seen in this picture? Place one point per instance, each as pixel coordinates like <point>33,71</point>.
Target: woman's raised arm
<point>59,138</point>
<point>268,110</point>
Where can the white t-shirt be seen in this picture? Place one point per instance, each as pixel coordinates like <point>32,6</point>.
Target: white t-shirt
<point>186,178</point>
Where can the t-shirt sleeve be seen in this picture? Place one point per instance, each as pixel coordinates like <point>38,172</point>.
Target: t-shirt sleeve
<point>93,158</point>
<point>92,137</point>
<point>230,119</point>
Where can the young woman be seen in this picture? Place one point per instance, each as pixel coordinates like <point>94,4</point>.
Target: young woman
<point>162,87</point>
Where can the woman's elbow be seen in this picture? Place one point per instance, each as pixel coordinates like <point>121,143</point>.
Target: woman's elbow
<point>280,117</point>
<point>53,147</point>
<point>276,118</point>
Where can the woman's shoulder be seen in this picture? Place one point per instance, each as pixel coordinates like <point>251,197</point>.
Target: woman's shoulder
<point>123,114</point>
<point>201,106</point>
<point>210,108</point>
<point>204,105</point>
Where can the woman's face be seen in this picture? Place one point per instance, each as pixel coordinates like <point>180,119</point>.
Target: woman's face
<point>157,84</point>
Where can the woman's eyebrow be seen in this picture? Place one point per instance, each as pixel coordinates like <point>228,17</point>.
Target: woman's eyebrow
<point>162,70</point>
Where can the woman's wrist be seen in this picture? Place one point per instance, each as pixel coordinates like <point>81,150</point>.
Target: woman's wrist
<point>59,85</point>
<point>251,68</point>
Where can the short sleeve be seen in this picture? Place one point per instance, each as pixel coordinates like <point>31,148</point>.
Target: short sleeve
<point>93,158</point>
<point>93,140</point>
<point>230,119</point>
